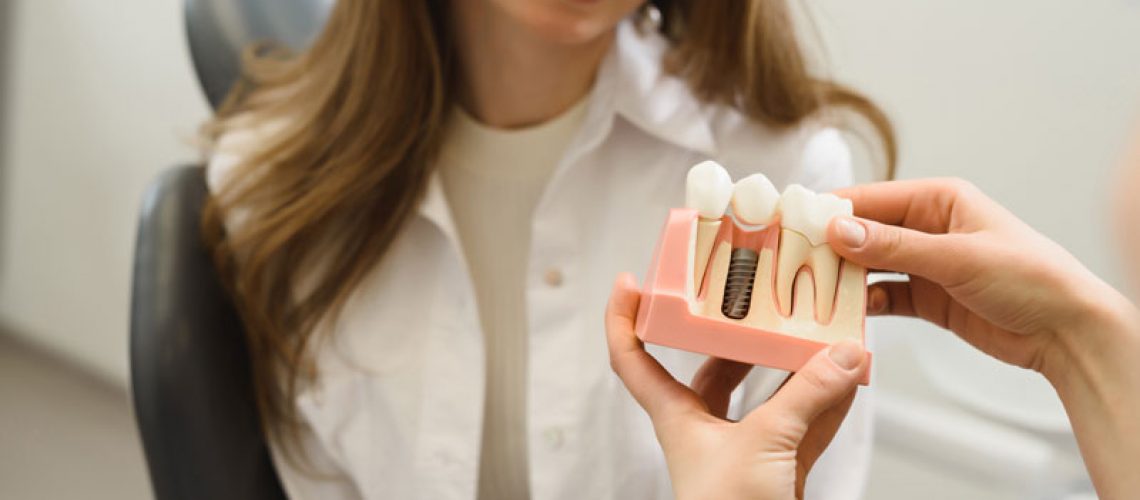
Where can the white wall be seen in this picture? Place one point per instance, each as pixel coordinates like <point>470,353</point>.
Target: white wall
<point>101,97</point>
<point>1033,101</point>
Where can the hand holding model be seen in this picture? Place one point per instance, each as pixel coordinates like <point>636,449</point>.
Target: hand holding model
<point>769,452</point>
<point>978,271</point>
<point>974,269</point>
<point>759,285</point>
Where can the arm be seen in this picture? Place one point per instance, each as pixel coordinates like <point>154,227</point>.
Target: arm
<point>977,270</point>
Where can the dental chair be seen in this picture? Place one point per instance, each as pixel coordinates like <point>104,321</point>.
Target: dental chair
<point>190,372</point>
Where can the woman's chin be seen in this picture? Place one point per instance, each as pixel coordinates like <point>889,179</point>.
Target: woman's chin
<point>572,22</point>
<point>572,33</point>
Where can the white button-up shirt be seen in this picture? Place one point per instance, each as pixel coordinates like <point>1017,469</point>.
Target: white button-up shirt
<point>396,411</point>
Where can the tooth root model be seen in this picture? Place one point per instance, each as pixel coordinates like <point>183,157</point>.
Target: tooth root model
<point>708,190</point>
<point>803,242</point>
<point>774,292</point>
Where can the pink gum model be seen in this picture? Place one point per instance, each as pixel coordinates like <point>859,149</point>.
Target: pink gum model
<point>674,314</point>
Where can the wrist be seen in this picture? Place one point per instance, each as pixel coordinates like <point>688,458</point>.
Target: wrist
<point>1095,372</point>
<point>1102,332</point>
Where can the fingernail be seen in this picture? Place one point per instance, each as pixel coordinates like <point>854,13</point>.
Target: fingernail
<point>847,354</point>
<point>851,233</point>
<point>876,300</point>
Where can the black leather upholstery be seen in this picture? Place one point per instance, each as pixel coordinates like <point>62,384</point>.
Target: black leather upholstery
<point>190,370</point>
<point>218,31</point>
<point>190,373</point>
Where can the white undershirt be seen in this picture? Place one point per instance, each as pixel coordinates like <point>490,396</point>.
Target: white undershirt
<point>493,179</point>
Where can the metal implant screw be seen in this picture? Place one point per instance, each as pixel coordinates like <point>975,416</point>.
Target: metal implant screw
<point>738,284</point>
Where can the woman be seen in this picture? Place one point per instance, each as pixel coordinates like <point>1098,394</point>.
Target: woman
<point>976,270</point>
<point>421,211</point>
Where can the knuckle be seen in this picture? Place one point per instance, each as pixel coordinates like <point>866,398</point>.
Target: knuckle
<point>615,364</point>
<point>891,241</point>
<point>819,378</point>
<point>785,424</point>
<point>794,426</point>
<point>959,188</point>
<point>767,419</point>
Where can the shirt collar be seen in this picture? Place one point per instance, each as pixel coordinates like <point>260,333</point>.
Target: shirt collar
<point>434,206</point>
<point>659,103</point>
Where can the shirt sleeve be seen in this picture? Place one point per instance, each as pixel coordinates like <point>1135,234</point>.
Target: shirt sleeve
<point>826,163</point>
<point>315,476</point>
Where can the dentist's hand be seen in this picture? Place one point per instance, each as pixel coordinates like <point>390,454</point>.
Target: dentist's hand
<point>977,270</point>
<point>768,453</point>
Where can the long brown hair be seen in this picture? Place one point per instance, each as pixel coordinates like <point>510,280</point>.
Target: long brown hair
<point>362,112</point>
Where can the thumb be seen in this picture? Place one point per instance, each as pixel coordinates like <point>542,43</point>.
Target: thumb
<point>891,248</point>
<point>823,382</point>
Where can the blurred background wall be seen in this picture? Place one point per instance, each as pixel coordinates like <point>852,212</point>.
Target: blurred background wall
<point>5,48</point>
<point>1033,101</point>
<point>1030,99</point>
<point>101,96</point>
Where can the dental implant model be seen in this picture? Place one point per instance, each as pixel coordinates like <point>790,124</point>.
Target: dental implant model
<point>758,285</point>
<point>708,189</point>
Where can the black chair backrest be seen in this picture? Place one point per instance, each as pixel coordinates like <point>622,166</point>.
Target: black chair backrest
<point>192,389</point>
<point>190,371</point>
<point>218,31</point>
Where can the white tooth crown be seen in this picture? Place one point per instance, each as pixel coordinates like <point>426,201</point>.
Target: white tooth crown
<point>708,189</point>
<point>755,200</point>
<point>808,213</point>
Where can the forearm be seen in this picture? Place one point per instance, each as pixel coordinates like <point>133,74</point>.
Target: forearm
<point>1097,376</point>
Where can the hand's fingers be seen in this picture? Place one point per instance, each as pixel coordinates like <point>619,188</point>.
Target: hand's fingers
<point>653,388</point>
<point>715,381</point>
<point>945,259</point>
<point>823,382</point>
<point>919,298</point>
<point>920,204</point>
<point>890,298</point>
<point>822,431</point>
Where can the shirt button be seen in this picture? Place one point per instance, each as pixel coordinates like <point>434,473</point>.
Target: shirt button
<point>553,278</point>
<point>554,437</point>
